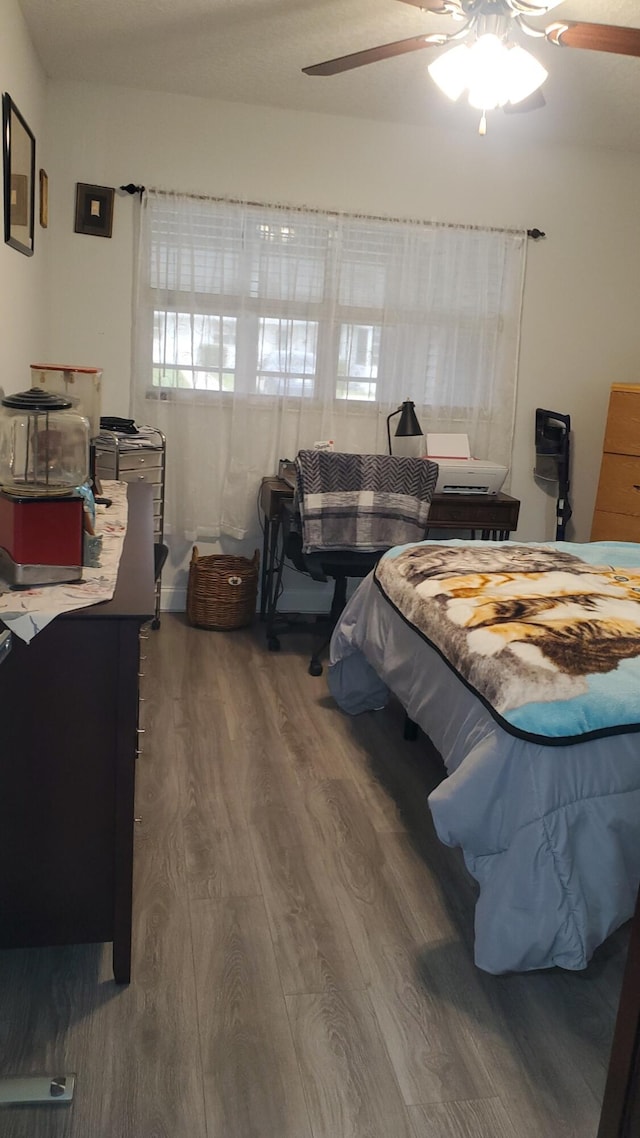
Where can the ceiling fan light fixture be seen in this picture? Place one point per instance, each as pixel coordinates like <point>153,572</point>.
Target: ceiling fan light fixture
<point>493,72</point>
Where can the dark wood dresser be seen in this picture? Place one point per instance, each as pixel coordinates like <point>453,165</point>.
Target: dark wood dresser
<point>69,723</point>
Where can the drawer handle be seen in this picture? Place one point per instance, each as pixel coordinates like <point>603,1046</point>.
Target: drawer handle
<point>636,487</point>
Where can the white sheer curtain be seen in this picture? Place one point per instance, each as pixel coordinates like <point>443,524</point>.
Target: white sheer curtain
<point>260,330</point>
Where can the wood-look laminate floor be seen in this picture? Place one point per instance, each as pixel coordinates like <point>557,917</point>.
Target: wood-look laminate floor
<point>302,963</point>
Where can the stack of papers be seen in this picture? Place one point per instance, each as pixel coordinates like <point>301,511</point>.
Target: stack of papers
<point>448,446</point>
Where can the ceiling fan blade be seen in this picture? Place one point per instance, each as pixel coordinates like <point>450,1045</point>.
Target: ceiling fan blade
<point>595,37</point>
<point>372,55</point>
<point>532,102</point>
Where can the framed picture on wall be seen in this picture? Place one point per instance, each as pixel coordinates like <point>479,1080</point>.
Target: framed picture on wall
<point>94,209</point>
<point>44,199</point>
<point>19,164</point>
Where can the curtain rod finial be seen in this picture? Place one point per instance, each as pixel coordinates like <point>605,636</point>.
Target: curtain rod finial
<point>535,234</point>
<point>132,189</point>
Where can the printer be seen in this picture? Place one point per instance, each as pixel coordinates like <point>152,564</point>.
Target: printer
<point>458,472</point>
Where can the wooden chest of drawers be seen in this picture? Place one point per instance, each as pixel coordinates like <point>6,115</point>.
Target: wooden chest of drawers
<point>69,709</point>
<point>617,510</point>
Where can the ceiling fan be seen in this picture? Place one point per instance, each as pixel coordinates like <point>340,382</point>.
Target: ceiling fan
<point>486,62</point>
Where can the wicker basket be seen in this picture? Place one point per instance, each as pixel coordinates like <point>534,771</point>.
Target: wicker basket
<point>222,590</point>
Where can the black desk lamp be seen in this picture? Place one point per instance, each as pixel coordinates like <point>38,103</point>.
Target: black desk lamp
<point>408,425</point>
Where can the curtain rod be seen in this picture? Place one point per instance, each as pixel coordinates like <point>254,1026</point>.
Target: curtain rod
<point>535,234</point>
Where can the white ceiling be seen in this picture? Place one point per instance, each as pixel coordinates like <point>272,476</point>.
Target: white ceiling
<point>252,51</point>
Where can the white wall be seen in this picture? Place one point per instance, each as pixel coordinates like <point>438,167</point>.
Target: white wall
<point>581,329</point>
<point>22,278</point>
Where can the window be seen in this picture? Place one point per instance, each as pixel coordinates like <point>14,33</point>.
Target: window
<point>286,357</point>
<point>196,351</point>
<point>261,329</point>
<point>358,361</point>
<point>320,307</point>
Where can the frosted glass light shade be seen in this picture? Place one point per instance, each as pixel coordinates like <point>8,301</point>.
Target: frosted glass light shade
<point>523,73</point>
<point>493,72</point>
<point>488,74</point>
<point>450,71</point>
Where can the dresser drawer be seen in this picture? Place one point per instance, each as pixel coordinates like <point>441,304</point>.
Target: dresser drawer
<point>623,422</point>
<point>615,527</point>
<point>151,474</point>
<point>134,461</point>
<point>619,486</point>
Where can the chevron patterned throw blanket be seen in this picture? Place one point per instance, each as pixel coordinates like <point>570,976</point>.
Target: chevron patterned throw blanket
<point>362,502</point>
<point>547,636</point>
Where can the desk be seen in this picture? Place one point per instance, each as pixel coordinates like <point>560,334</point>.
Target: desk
<point>69,715</point>
<point>494,516</point>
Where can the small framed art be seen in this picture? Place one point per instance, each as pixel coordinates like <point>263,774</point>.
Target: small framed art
<point>44,199</point>
<point>94,209</point>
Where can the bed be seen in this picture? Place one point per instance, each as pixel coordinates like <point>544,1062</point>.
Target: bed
<point>521,662</point>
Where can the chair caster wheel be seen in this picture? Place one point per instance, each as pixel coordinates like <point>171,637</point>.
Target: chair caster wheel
<point>155,624</point>
<point>273,644</point>
<point>315,668</point>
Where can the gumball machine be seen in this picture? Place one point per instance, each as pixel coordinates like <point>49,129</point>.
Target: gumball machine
<point>44,458</point>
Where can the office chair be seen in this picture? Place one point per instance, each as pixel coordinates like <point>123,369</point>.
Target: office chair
<point>338,565</point>
<point>347,511</point>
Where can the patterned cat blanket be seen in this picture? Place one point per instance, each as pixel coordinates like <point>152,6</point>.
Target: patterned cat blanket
<point>547,638</point>
<point>362,502</point>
